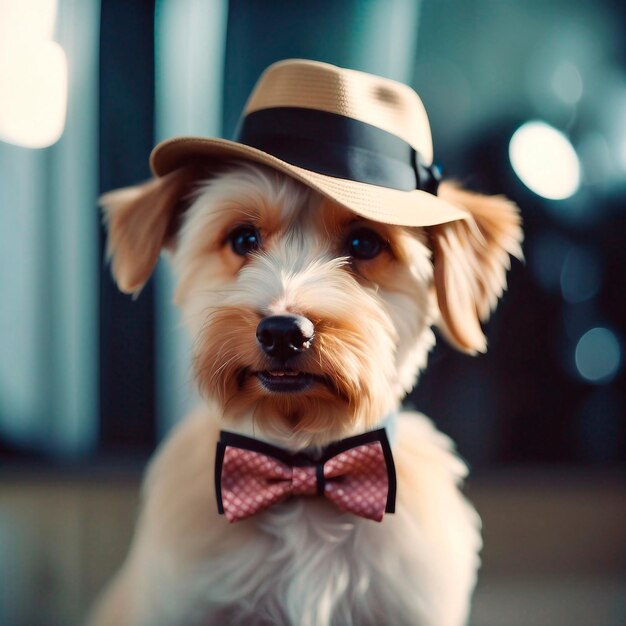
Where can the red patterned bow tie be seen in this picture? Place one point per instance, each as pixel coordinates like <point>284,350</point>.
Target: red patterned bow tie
<point>356,474</point>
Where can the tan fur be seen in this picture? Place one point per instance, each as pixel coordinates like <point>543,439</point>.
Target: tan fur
<point>304,563</point>
<point>140,220</point>
<point>471,259</point>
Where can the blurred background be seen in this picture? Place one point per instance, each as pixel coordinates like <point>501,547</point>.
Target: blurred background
<point>525,97</point>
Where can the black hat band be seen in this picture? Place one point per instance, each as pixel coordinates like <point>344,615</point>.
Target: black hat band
<point>338,146</point>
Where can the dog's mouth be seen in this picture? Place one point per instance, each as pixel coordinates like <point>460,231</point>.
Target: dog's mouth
<point>287,381</point>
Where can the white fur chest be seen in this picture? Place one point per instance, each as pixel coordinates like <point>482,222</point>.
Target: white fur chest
<point>304,563</point>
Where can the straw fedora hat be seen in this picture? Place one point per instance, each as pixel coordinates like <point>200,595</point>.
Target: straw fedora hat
<point>358,139</point>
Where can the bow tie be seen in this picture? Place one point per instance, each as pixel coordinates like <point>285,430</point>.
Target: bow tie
<point>356,474</point>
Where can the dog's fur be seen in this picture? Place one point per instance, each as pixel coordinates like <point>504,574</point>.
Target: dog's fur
<point>304,562</point>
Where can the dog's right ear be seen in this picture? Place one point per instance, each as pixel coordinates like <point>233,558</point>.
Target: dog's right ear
<point>141,220</point>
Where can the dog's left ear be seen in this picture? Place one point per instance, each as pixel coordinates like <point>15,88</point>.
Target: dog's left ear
<point>471,258</point>
<point>141,220</point>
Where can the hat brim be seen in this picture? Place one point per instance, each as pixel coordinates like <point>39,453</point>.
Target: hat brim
<point>379,204</point>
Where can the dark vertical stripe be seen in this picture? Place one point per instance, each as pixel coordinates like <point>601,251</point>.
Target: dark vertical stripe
<point>126,101</point>
<point>320,480</point>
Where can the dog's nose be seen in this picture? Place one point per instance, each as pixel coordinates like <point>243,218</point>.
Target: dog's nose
<point>284,336</point>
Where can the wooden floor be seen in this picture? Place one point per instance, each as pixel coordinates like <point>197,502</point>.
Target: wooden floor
<point>555,545</point>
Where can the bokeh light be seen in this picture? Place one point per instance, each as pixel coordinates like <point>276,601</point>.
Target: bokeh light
<point>598,355</point>
<point>33,74</point>
<point>548,252</point>
<point>33,83</point>
<point>567,83</point>
<point>581,275</point>
<point>610,102</point>
<point>544,160</point>
<point>598,164</point>
<point>27,20</point>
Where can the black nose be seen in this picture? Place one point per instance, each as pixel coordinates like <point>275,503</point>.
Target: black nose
<point>284,336</point>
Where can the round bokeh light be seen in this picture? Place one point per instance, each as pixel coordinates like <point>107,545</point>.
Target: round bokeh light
<point>598,355</point>
<point>544,160</point>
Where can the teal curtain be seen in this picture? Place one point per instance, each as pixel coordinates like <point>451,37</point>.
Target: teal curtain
<point>49,264</point>
<point>190,40</point>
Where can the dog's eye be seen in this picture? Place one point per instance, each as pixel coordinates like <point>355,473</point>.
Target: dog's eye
<point>364,243</point>
<point>244,239</point>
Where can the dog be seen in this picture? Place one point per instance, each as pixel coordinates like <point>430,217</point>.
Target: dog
<point>311,316</point>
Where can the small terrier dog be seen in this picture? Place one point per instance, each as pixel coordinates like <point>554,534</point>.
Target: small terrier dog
<point>311,319</point>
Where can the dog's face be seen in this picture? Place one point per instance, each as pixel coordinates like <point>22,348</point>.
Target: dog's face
<point>308,318</point>
<point>309,322</point>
